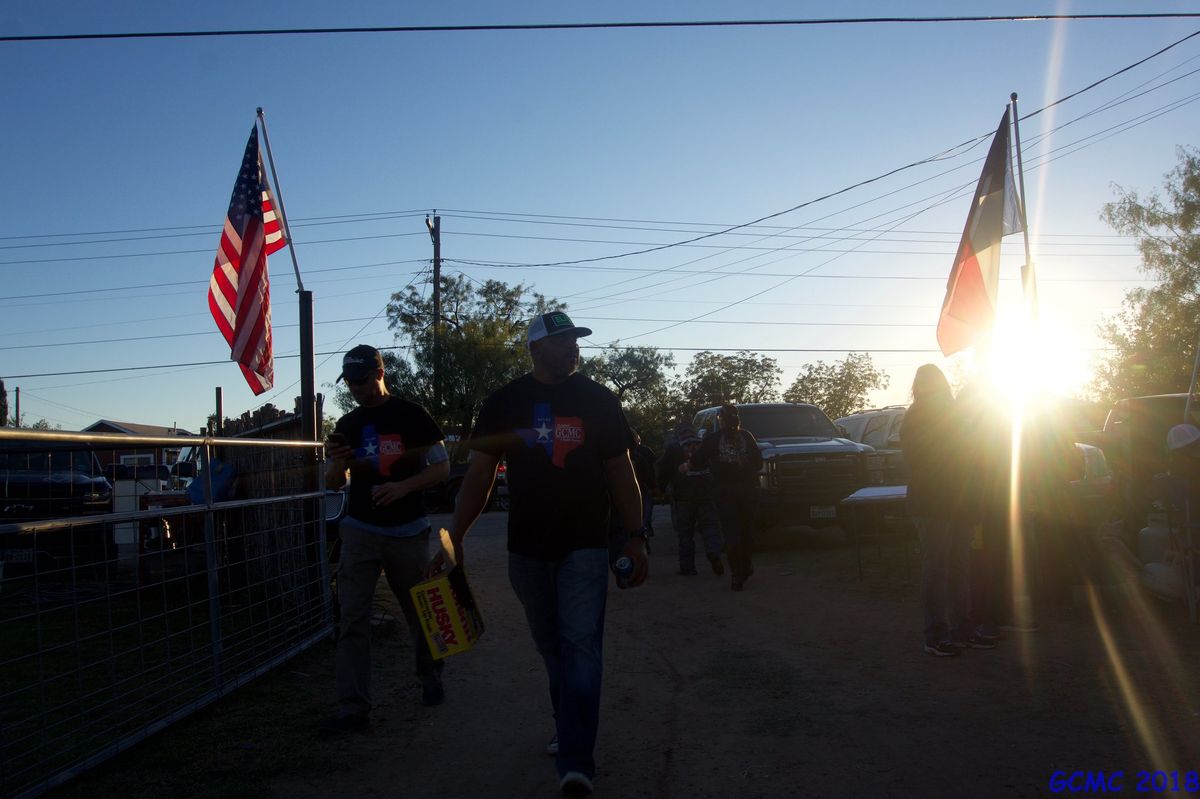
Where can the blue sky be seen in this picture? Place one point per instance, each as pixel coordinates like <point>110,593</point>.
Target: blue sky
<point>677,131</point>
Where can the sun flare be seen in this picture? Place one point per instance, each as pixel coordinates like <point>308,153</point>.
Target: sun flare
<point>1027,358</point>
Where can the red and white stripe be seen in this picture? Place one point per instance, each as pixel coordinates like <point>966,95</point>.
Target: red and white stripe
<point>239,294</point>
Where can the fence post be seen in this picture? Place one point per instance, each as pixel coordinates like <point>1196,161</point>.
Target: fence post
<point>212,563</point>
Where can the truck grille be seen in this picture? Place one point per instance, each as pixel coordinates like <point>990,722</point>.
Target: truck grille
<point>821,474</point>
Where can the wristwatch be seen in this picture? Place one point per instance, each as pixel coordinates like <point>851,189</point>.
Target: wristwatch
<point>642,533</point>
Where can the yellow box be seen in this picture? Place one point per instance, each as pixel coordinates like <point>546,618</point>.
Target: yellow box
<point>447,610</point>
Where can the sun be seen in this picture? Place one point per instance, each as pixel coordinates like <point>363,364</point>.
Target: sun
<point>1027,358</point>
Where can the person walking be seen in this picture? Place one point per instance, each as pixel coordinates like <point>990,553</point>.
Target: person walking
<point>733,456</point>
<point>566,443</point>
<point>389,450</point>
<point>644,459</point>
<point>693,509</point>
<point>937,502</point>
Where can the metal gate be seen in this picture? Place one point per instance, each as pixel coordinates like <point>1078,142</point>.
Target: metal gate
<point>105,640</point>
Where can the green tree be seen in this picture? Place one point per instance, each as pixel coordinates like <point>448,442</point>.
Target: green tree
<point>838,388</point>
<point>640,377</point>
<point>482,344</point>
<point>1154,336</point>
<point>713,379</point>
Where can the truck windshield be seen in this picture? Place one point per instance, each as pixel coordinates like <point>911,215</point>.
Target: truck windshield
<point>787,422</point>
<point>59,461</point>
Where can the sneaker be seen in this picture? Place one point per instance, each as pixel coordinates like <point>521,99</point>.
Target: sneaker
<point>715,562</point>
<point>575,783</point>
<point>944,649</point>
<point>342,724</point>
<point>688,572</point>
<point>978,641</point>
<point>432,695</point>
<point>552,747</point>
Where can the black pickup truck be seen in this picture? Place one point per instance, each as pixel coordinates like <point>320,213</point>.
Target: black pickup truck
<point>808,468</point>
<point>39,481</point>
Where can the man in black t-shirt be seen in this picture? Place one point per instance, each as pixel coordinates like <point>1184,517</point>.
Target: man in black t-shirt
<point>392,450</point>
<point>566,443</point>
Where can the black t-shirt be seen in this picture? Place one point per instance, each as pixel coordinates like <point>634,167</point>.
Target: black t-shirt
<point>556,438</point>
<point>389,443</point>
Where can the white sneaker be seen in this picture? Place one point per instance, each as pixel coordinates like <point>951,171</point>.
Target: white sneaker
<point>574,784</point>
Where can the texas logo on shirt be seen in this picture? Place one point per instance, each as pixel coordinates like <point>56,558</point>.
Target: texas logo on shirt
<point>384,449</point>
<point>557,435</point>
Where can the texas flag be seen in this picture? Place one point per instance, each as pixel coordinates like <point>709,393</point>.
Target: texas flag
<point>970,304</point>
<point>382,449</point>
<point>557,435</point>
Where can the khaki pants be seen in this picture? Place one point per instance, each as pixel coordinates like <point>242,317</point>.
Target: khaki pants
<point>364,555</point>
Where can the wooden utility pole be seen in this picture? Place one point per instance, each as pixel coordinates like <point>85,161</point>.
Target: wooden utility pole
<point>435,233</point>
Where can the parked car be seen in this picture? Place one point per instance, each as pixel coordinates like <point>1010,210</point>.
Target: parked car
<point>1134,440</point>
<point>879,428</point>
<point>41,480</point>
<point>808,468</point>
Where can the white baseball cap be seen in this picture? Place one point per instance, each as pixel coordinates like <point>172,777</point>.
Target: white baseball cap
<point>555,323</point>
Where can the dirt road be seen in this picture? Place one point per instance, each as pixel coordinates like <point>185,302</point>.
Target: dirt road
<point>809,683</point>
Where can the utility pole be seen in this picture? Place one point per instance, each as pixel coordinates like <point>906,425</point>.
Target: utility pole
<point>435,233</point>
<point>17,423</point>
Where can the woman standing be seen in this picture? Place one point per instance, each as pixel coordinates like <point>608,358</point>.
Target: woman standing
<point>931,442</point>
<point>733,457</point>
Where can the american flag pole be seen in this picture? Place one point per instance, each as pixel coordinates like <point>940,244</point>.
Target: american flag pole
<point>287,231</point>
<point>308,382</point>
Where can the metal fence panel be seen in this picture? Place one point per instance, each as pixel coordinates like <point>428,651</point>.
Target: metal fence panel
<point>103,640</point>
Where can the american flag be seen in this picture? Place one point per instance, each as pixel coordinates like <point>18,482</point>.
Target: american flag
<point>239,292</point>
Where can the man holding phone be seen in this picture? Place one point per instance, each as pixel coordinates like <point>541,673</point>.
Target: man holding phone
<point>388,450</point>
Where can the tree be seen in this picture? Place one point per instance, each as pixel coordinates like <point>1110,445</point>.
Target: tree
<point>639,378</point>
<point>713,379</point>
<point>1154,336</point>
<point>482,344</point>
<point>838,388</point>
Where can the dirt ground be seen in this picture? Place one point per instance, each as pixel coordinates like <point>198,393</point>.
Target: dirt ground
<point>811,682</point>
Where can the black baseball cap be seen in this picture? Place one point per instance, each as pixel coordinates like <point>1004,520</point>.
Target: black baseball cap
<point>360,363</point>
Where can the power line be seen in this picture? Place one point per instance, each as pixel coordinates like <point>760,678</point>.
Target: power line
<point>586,347</point>
<point>943,155</point>
<point>558,26</point>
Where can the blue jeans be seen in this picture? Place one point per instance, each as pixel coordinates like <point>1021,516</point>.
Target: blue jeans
<point>692,516</point>
<point>564,605</point>
<point>945,590</point>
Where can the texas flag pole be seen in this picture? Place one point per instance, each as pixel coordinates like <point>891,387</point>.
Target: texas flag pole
<point>308,396</point>
<point>1028,275</point>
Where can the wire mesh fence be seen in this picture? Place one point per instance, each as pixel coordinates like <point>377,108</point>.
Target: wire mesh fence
<point>115,623</point>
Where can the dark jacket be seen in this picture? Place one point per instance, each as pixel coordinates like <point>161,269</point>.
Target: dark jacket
<point>932,441</point>
<point>733,467</point>
<point>695,486</point>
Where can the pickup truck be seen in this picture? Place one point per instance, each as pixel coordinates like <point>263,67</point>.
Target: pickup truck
<point>1134,440</point>
<point>808,468</point>
<point>39,481</point>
